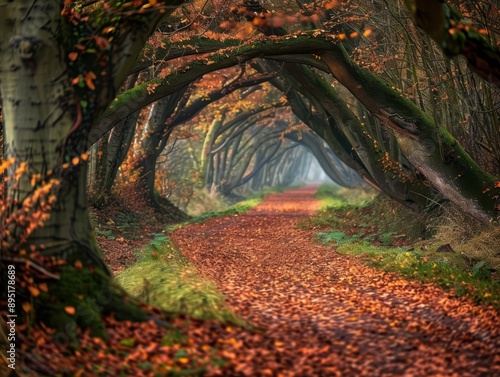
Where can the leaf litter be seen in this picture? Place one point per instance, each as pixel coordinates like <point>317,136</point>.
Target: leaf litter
<point>314,313</point>
<point>324,314</point>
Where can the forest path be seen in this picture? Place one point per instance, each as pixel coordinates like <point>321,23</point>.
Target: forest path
<point>326,314</point>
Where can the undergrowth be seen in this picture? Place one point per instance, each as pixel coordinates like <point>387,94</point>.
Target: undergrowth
<point>203,201</point>
<point>235,209</point>
<point>451,250</point>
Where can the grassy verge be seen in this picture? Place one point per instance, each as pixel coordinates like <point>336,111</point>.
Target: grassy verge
<point>388,236</point>
<point>163,277</point>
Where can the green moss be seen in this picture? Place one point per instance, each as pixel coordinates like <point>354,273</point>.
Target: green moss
<point>443,154</point>
<point>445,271</point>
<point>387,221</point>
<point>337,238</point>
<point>163,277</point>
<point>79,300</point>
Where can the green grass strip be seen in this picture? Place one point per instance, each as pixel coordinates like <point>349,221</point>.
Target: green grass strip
<point>448,270</point>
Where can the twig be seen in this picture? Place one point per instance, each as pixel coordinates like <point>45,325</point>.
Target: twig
<point>34,265</point>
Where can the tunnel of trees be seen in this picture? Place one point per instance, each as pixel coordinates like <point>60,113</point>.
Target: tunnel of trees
<point>166,97</point>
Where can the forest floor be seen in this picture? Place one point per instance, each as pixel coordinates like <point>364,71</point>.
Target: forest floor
<point>121,229</point>
<point>321,313</point>
<point>309,309</point>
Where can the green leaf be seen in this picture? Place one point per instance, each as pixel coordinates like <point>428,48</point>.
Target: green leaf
<point>180,353</point>
<point>129,342</point>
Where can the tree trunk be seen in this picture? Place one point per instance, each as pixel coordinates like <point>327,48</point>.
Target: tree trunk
<point>41,110</point>
<point>206,156</point>
<point>429,148</point>
<point>342,124</point>
<point>119,143</point>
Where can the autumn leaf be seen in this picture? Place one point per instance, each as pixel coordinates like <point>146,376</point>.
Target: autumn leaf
<point>73,56</point>
<point>35,292</point>
<point>79,373</point>
<point>109,29</point>
<point>331,5</point>
<point>89,77</point>
<point>101,42</point>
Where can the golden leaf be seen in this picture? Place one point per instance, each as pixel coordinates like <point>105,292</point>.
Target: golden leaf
<point>35,292</point>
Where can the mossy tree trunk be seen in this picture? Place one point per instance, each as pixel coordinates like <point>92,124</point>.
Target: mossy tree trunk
<point>205,155</point>
<point>148,152</point>
<point>120,140</point>
<point>403,186</point>
<point>429,148</point>
<point>46,123</point>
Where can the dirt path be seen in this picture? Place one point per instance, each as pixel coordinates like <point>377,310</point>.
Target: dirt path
<point>325,314</point>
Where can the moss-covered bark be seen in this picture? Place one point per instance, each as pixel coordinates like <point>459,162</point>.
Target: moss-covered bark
<point>205,155</point>
<point>428,147</point>
<point>119,143</point>
<point>153,140</point>
<point>46,121</point>
<point>399,184</point>
<point>79,299</point>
